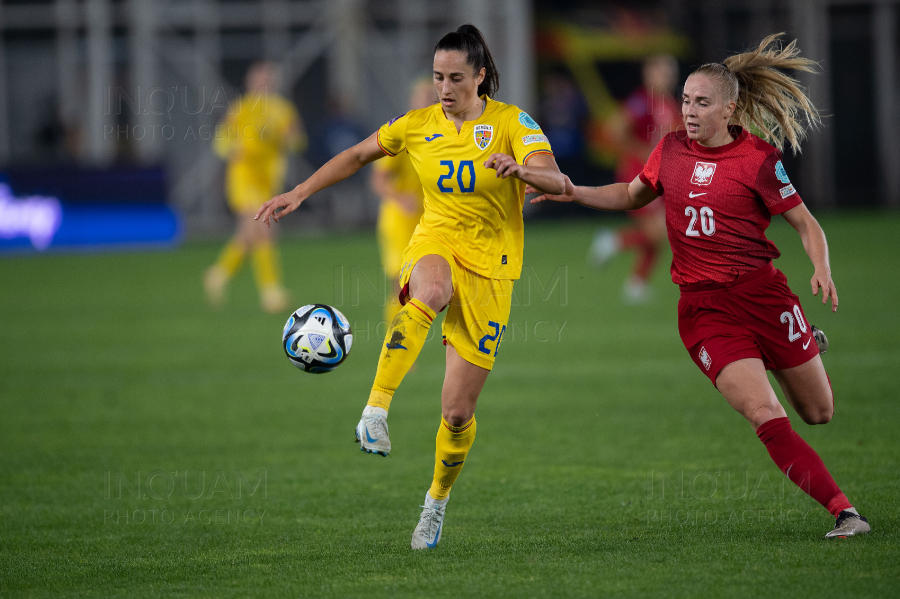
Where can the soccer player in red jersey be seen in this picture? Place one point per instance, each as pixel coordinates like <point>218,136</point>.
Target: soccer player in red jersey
<point>736,316</point>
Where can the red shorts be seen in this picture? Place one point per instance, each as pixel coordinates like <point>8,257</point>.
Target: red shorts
<point>754,316</point>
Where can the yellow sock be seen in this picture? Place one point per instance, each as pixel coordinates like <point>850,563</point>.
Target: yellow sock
<point>231,258</point>
<point>390,310</point>
<point>451,448</point>
<point>402,344</point>
<point>266,267</point>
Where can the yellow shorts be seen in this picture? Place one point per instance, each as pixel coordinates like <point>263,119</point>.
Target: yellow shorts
<point>478,311</point>
<point>249,185</point>
<point>395,228</point>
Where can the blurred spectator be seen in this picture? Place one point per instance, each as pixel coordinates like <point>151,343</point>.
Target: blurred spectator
<point>336,133</point>
<point>564,113</point>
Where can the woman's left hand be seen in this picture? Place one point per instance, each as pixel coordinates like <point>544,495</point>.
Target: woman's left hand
<point>505,165</point>
<point>822,279</point>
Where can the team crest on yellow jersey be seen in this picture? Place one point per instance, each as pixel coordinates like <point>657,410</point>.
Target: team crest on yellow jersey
<point>483,136</point>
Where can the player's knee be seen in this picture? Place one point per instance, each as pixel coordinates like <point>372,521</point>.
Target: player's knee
<point>820,415</point>
<point>434,294</point>
<point>457,416</point>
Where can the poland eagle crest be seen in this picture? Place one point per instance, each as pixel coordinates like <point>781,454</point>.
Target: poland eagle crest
<point>703,173</point>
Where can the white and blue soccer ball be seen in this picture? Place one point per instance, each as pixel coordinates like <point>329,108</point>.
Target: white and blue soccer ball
<point>317,338</point>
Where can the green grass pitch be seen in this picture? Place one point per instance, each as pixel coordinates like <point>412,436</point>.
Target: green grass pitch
<point>150,446</point>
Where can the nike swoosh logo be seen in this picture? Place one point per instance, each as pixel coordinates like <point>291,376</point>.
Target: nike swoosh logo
<point>805,345</point>
<point>452,464</point>
<point>788,473</point>
<point>434,137</point>
<point>434,543</point>
<point>369,437</point>
<point>697,195</point>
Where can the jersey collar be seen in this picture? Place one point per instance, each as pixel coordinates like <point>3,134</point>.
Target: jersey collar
<point>739,133</point>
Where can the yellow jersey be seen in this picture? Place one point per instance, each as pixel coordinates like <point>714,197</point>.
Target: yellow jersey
<point>257,129</point>
<point>404,177</point>
<point>467,207</point>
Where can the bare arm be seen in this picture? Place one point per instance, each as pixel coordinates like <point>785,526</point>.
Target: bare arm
<point>337,169</point>
<point>813,238</point>
<point>618,196</point>
<point>541,171</point>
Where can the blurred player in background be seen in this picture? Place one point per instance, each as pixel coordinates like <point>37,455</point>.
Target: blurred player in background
<point>396,182</point>
<point>737,317</point>
<point>650,113</point>
<point>255,137</point>
<point>474,156</point>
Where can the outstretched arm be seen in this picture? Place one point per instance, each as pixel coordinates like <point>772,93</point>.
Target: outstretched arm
<point>337,169</point>
<point>813,238</point>
<point>540,172</point>
<point>618,196</point>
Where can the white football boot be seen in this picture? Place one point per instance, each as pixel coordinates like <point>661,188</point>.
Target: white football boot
<point>372,431</point>
<point>273,299</point>
<point>848,524</point>
<point>215,280</point>
<point>603,248</point>
<point>636,292</point>
<point>821,339</point>
<point>427,534</point>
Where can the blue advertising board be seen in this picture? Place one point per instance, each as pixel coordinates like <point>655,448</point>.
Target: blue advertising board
<point>36,222</point>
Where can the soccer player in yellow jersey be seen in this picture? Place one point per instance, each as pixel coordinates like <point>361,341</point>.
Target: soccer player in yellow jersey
<point>474,156</point>
<point>260,129</point>
<point>396,182</point>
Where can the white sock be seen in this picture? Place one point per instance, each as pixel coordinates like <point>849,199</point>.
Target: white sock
<point>429,500</point>
<point>373,410</point>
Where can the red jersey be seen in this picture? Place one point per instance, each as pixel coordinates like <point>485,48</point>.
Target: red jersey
<point>719,202</point>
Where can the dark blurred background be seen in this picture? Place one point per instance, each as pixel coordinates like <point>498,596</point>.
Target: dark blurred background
<point>109,107</point>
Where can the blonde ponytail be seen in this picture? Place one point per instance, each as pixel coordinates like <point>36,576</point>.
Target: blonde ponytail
<point>769,102</point>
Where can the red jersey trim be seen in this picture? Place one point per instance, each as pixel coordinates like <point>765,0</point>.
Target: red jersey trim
<point>786,205</point>
<point>378,140</point>
<point>740,135</point>
<point>427,315</point>
<point>533,153</point>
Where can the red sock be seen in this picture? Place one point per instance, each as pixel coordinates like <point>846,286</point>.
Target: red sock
<point>801,464</point>
<point>629,238</point>
<point>647,254</point>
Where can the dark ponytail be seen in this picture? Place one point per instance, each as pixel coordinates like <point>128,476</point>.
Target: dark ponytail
<point>468,40</point>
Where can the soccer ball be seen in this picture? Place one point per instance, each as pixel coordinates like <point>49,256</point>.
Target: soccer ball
<point>317,338</point>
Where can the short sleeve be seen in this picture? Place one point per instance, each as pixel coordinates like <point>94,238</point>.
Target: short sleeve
<point>392,135</point>
<point>527,138</point>
<point>650,175</point>
<point>774,186</point>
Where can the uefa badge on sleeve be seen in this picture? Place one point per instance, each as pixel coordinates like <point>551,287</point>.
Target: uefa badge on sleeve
<point>483,136</point>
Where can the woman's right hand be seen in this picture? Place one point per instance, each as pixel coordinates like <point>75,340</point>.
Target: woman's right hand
<point>567,196</point>
<point>287,202</point>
